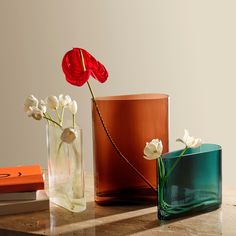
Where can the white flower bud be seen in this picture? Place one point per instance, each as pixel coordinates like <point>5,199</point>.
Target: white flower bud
<point>73,107</point>
<point>29,112</point>
<point>30,101</point>
<point>153,150</point>
<point>68,135</point>
<point>64,100</point>
<point>189,141</point>
<point>35,112</point>
<point>42,106</point>
<point>52,102</point>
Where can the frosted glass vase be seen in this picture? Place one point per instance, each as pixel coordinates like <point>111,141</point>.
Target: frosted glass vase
<point>195,184</point>
<point>65,170</point>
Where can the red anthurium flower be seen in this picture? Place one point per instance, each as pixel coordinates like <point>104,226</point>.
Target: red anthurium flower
<point>78,65</point>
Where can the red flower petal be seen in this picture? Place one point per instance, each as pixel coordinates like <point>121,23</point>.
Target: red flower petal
<point>78,65</point>
<point>100,73</point>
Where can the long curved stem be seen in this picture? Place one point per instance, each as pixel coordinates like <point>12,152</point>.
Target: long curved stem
<point>53,121</point>
<point>107,132</point>
<point>114,144</point>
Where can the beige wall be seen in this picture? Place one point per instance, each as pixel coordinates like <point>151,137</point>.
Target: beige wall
<point>184,48</point>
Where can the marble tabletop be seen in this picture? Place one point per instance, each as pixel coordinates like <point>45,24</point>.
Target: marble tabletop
<point>121,220</point>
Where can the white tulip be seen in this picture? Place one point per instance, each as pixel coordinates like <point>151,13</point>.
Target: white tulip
<point>30,101</point>
<point>42,106</point>
<point>68,135</point>
<point>189,141</point>
<point>29,112</point>
<point>52,102</point>
<point>64,100</point>
<point>73,107</point>
<point>153,150</point>
<point>35,112</point>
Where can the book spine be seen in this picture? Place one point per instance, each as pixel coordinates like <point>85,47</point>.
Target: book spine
<point>21,187</point>
<point>18,196</point>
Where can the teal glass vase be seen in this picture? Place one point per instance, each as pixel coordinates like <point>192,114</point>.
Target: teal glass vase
<point>194,185</point>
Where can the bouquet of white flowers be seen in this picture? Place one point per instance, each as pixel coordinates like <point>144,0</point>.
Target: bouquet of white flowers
<point>64,142</point>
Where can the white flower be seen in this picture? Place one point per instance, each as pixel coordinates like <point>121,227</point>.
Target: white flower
<point>35,112</point>
<point>153,150</point>
<point>30,101</point>
<point>52,102</point>
<point>68,135</point>
<point>42,106</point>
<point>73,107</point>
<point>189,141</point>
<point>64,100</point>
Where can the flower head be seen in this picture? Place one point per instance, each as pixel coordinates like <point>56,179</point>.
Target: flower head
<point>64,100</point>
<point>153,150</point>
<point>68,135</point>
<point>73,107</point>
<point>35,112</point>
<point>189,141</point>
<point>52,102</point>
<point>30,101</point>
<point>78,65</point>
<point>42,106</point>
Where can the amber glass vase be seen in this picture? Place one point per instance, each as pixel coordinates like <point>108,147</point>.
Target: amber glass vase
<point>131,120</point>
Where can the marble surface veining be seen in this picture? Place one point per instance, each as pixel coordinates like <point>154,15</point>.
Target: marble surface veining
<point>121,220</point>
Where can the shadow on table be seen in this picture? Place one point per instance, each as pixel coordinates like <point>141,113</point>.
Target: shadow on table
<point>113,220</point>
<point>146,224</point>
<point>60,216</point>
<point>124,227</point>
<point>104,220</point>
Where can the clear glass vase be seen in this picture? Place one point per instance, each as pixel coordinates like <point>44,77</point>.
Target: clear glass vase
<point>65,170</point>
<point>194,185</point>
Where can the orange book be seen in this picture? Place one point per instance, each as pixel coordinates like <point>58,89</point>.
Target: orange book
<point>21,179</point>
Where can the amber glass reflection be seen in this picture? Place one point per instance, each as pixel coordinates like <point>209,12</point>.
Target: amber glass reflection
<point>132,120</point>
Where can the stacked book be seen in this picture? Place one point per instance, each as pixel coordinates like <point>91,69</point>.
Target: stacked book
<point>22,190</point>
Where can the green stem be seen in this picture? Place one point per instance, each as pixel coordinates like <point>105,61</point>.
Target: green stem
<point>162,166</point>
<point>49,116</point>
<point>59,147</point>
<point>58,116</point>
<point>161,170</point>
<point>176,163</point>
<point>73,117</point>
<point>62,115</point>
<point>45,115</point>
<point>91,91</point>
<point>53,121</point>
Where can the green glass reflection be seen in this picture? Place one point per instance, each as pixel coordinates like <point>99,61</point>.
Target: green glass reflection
<point>195,184</point>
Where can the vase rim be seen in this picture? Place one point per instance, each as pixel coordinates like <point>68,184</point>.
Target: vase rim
<point>141,96</point>
<point>175,154</point>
